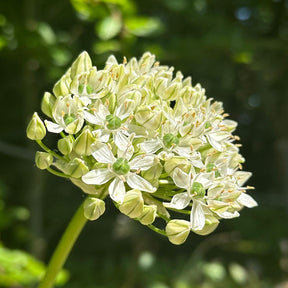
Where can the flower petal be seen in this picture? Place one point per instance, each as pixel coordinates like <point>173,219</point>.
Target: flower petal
<point>98,176</point>
<point>242,177</point>
<point>117,190</point>
<point>53,127</point>
<point>102,153</point>
<point>179,201</point>
<point>151,146</point>
<point>181,179</point>
<point>197,216</point>
<point>137,182</point>
<point>246,200</point>
<point>142,162</point>
<point>92,118</point>
<point>227,214</point>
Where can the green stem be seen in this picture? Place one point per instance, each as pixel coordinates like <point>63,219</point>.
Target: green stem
<point>159,231</point>
<point>45,148</point>
<point>57,173</point>
<point>64,247</point>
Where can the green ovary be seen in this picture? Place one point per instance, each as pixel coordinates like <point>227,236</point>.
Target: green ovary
<point>170,139</point>
<point>199,189</point>
<point>121,166</point>
<point>113,122</point>
<point>69,118</point>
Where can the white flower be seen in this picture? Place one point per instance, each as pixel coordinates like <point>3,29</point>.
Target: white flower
<point>116,123</point>
<point>171,144</point>
<point>67,114</point>
<point>120,170</point>
<point>195,186</point>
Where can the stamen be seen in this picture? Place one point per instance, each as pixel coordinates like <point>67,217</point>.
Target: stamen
<point>124,60</point>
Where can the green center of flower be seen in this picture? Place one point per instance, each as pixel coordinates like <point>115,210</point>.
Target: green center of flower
<point>113,122</point>
<point>69,118</point>
<point>121,166</point>
<point>170,140</point>
<point>89,88</point>
<point>210,167</point>
<point>199,189</point>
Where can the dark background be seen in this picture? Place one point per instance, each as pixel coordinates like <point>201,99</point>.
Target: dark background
<point>237,50</point>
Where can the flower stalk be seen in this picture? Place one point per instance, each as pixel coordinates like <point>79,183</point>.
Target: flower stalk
<point>64,247</point>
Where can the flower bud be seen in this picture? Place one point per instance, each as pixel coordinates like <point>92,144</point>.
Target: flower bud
<point>146,62</point>
<point>77,168</point>
<point>171,92</point>
<point>177,231</point>
<point>211,224</point>
<point>81,64</point>
<point>132,204</point>
<point>83,143</point>
<point>148,215</point>
<point>177,161</point>
<point>93,208</point>
<point>47,104</point>
<point>62,87</point>
<point>97,191</point>
<point>150,118</point>
<point>152,174</point>
<point>43,160</point>
<point>36,129</point>
<point>65,145</point>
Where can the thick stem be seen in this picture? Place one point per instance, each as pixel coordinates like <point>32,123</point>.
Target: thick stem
<point>64,247</point>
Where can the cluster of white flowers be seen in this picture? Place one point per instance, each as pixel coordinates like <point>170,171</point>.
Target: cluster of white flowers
<point>150,140</point>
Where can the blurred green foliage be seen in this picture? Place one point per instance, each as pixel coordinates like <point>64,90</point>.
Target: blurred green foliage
<point>19,269</point>
<point>238,51</point>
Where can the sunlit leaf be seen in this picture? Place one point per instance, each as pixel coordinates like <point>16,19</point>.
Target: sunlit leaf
<point>143,26</point>
<point>109,27</point>
<point>46,33</point>
<point>106,46</point>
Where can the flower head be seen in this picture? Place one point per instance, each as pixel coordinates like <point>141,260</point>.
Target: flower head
<point>148,139</point>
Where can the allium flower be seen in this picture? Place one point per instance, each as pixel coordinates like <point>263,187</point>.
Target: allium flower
<point>149,140</point>
<point>120,170</point>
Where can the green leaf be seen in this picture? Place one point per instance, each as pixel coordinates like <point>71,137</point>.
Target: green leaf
<point>106,46</point>
<point>109,27</point>
<point>18,268</point>
<point>143,26</point>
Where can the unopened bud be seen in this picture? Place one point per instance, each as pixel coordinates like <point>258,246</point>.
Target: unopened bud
<point>178,231</point>
<point>177,161</point>
<point>149,118</point>
<point>65,145</point>
<point>153,173</point>
<point>81,64</point>
<point>43,160</point>
<point>36,129</point>
<point>146,62</point>
<point>211,224</point>
<point>47,104</point>
<point>132,204</point>
<point>172,92</point>
<point>93,208</point>
<point>77,168</point>
<point>83,143</point>
<point>149,214</point>
<point>62,87</point>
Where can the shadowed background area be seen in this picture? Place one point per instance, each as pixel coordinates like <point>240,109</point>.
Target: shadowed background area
<point>237,50</point>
